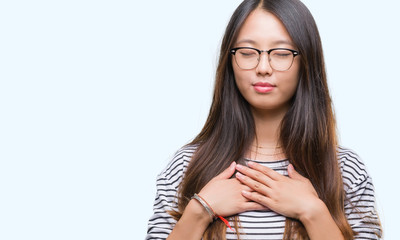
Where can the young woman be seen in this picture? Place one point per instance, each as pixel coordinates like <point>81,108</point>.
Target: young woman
<point>267,159</point>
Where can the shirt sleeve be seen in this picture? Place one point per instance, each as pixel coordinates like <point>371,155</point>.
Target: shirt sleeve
<point>161,222</point>
<point>360,204</point>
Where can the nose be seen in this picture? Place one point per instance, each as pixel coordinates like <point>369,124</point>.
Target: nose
<point>264,67</point>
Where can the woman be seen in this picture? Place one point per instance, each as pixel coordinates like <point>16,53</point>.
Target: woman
<point>267,158</point>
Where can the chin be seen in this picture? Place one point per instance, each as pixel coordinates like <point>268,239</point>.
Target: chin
<point>280,107</point>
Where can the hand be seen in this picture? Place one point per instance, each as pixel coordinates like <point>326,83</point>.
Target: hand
<point>225,195</point>
<point>292,196</point>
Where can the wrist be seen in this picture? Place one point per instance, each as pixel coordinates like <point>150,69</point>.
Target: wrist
<point>209,210</point>
<point>199,212</point>
<point>193,222</point>
<point>319,223</point>
<point>316,209</point>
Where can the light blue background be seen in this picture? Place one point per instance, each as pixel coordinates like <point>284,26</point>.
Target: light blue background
<point>96,96</point>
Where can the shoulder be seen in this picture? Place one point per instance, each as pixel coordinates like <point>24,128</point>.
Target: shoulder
<point>161,222</point>
<point>354,171</point>
<point>175,169</point>
<point>360,206</point>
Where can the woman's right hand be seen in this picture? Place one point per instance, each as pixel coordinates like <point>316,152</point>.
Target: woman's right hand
<point>224,194</point>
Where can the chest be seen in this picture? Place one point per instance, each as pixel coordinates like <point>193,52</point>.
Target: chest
<point>259,225</point>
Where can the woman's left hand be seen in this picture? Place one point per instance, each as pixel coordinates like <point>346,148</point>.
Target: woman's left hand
<point>292,196</point>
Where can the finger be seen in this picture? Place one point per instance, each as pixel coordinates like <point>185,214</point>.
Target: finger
<point>258,198</point>
<point>255,174</point>
<point>241,186</point>
<point>293,173</point>
<point>246,188</point>
<point>252,206</point>
<point>265,170</point>
<point>227,173</point>
<point>253,184</point>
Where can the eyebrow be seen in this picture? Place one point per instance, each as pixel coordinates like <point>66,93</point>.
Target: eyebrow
<point>274,43</point>
<point>246,41</point>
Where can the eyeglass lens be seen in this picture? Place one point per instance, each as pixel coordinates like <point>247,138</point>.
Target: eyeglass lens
<point>279,59</point>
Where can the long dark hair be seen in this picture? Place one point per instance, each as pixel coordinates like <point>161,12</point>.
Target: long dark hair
<point>307,131</point>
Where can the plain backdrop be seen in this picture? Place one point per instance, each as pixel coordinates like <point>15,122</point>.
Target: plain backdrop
<point>96,96</point>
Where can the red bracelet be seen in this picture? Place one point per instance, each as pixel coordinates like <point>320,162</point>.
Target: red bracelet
<point>213,212</point>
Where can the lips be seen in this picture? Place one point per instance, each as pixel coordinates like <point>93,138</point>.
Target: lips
<point>263,87</point>
<point>263,84</point>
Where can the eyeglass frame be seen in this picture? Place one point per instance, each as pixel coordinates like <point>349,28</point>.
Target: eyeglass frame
<point>294,52</point>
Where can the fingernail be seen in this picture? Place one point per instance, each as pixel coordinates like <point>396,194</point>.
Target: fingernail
<point>239,167</point>
<point>239,175</point>
<point>251,164</point>
<point>290,167</point>
<point>232,165</point>
<point>246,193</point>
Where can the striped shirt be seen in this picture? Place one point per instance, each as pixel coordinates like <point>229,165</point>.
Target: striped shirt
<point>359,205</point>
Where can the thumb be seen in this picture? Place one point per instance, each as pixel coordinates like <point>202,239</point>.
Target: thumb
<point>293,173</point>
<point>227,173</point>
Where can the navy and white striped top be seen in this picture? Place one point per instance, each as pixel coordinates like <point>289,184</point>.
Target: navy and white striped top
<point>359,206</point>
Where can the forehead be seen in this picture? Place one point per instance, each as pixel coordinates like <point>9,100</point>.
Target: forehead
<point>263,28</point>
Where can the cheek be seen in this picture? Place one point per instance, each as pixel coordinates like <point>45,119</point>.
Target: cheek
<point>235,68</point>
<point>239,76</point>
<point>291,85</point>
<point>288,85</point>
<point>293,80</point>
<point>292,89</point>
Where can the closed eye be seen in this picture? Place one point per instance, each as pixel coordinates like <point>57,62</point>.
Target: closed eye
<point>247,54</point>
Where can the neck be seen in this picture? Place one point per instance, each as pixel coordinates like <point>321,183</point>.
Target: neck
<point>267,123</point>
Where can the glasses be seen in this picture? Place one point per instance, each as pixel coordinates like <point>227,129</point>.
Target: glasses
<point>280,59</point>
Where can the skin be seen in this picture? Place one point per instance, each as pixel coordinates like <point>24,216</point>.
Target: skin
<point>257,187</point>
<point>195,218</point>
<point>253,34</point>
<point>268,108</point>
<point>292,196</point>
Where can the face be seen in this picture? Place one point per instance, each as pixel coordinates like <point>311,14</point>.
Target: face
<point>263,87</point>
